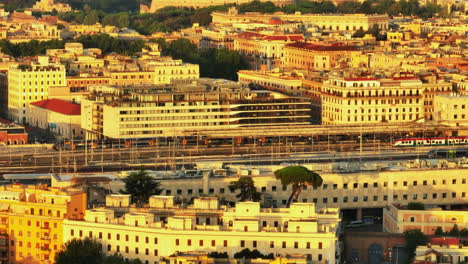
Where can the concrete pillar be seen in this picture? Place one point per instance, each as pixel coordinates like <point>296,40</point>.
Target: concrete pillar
<point>359,214</point>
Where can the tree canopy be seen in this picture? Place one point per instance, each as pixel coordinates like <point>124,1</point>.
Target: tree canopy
<point>140,185</point>
<point>214,63</point>
<point>248,191</point>
<point>81,251</point>
<point>88,251</point>
<point>413,239</point>
<point>252,254</point>
<point>299,178</point>
<point>104,42</point>
<point>416,206</point>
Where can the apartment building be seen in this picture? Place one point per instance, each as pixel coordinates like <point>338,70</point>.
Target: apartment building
<point>29,83</point>
<point>312,56</point>
<point>32,217</point>
<point>260,49</point>
<point>157,232</point>
<point>451,110</point>
<point>398,219</point>
<point>374,100</point>
<point>325,22</point>
<point>168,110</point>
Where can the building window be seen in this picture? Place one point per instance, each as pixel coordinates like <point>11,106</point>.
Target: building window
<point>177,242</point>
<point>272,244</point>
<point>242,243</point>
<point>320,245</point>
<point>284,244</point>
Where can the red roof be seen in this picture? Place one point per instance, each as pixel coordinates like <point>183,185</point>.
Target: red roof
<point>254,35</point>
<point>59,106</point>
<point>445,241</point>
<point>331,47</point>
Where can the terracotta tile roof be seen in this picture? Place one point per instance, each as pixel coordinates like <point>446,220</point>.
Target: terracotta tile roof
<point>445,241</point>
<point>287,37</point>
<point>316,47</point>
<point>59,106</point>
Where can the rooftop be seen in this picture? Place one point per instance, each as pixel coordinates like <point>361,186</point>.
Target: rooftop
<point>316,47</point>
<point>59,106</point>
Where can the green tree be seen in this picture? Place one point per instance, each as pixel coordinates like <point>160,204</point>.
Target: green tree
<point>439,231</point>
<point>454,231</point>
<point>416,206</point>
<point>348,7</point>
<point>252,254</point>
<point>91,18</point>
<point>246,186</point>
<point>81,251</point>
<point>413,239</point>
<point>140,185</point>
<point>464,232</point>
<point>359,33</point>
<point>299,178</point>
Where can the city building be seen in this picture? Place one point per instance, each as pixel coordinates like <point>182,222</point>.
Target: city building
<point>398,219</point>
<point>374,100</point>
<point>12,134</point>
<point>27,31</point>
<point>325,22</point>
<point>29,83</point>
<point>155,5</point>
<point>32,217</point>
<point>451,110</point>
<point>168,110</point>
<point>164,229</point>
<point>260,49</point>
<point>316,56</point>
<point>275,80</point>
<point>204,258</point>
<point>57,116</point>
<point>360,191</point>
<point>50,6</point>
<point>442,250</point>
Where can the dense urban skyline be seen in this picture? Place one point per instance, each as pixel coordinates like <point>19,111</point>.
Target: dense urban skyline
<point>261,132</point>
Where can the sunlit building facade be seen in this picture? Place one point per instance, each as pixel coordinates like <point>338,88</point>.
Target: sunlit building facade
<point>162,231</point>
<point>31,83</point>
<point>398,219</point>
<point>32,217</point>
<point>167,111</point>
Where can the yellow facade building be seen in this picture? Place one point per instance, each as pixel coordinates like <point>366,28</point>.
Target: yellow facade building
<point>32,217</point>
<point>451,110</point>
<point>310,56</point>
<point>259,49</point>
<point>155,4</point>
<point>372,189</point>
<point>31,83</point>
<point>168,110</point>
<point>326,22</point>
<point>398,219</point>
<point>50,5</point>
<point>276,80</point>
<point>371,100</point>
<point>162,231</point>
